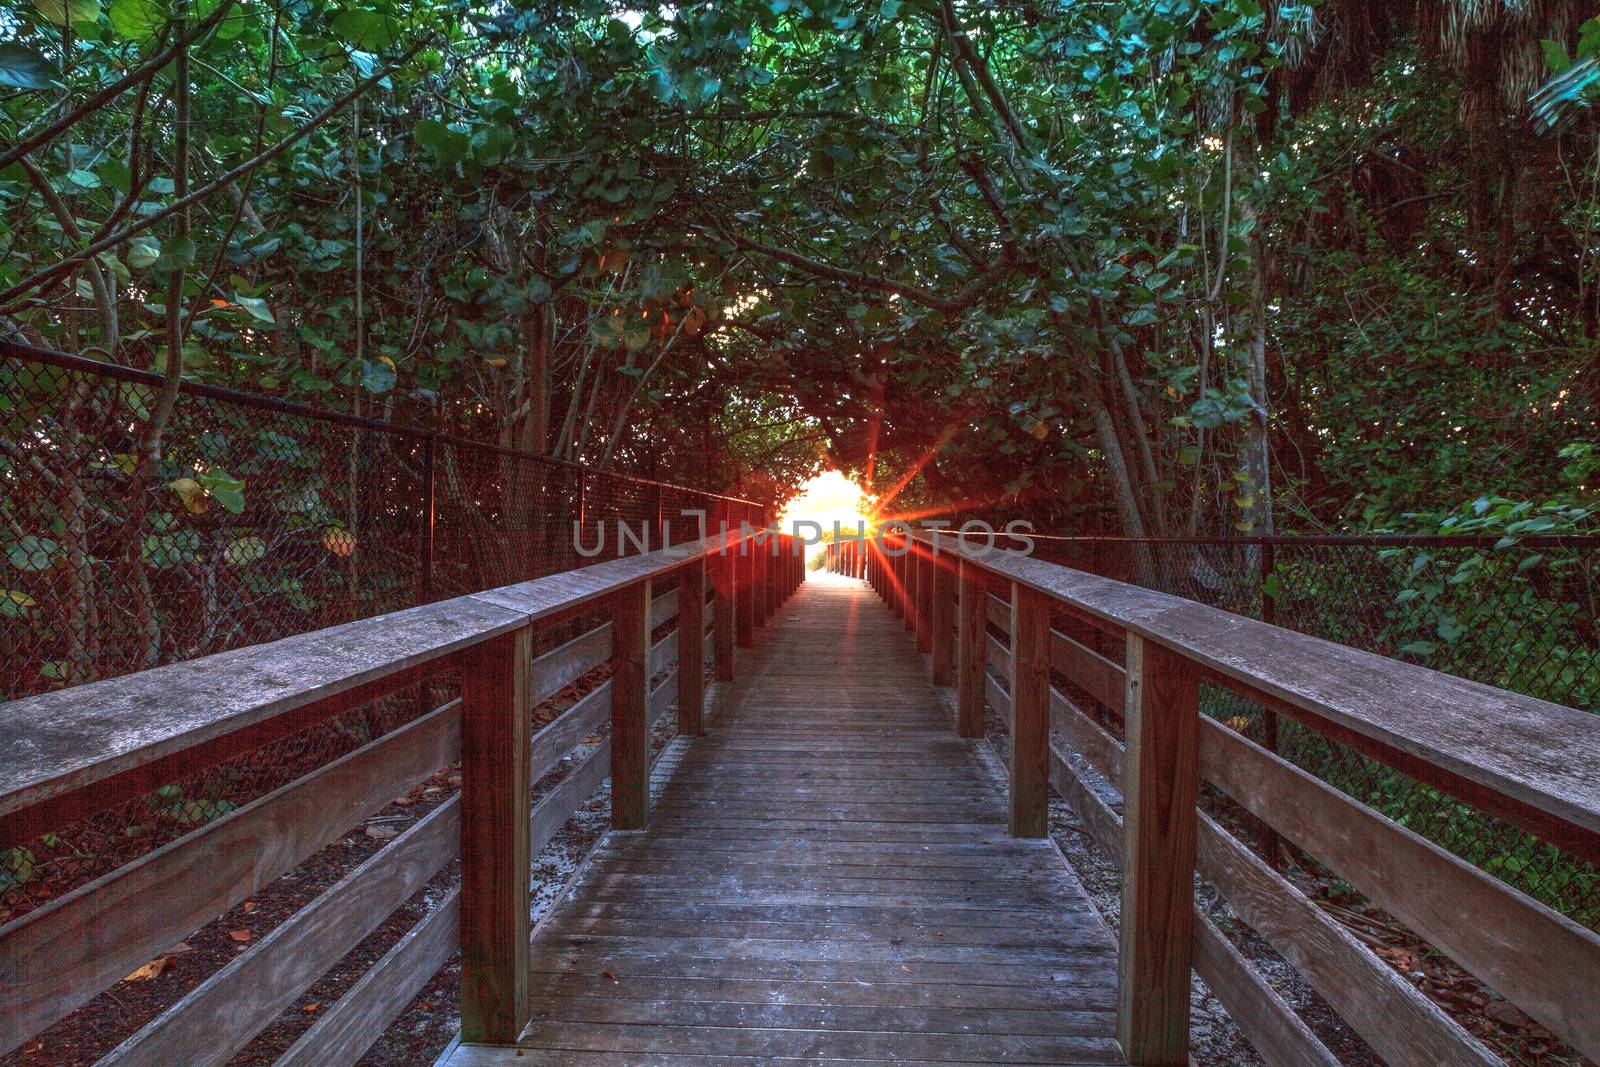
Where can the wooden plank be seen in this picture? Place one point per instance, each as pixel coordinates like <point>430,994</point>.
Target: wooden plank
<point>1376,1001</point>
<point>1545,771</point>
<point>630,692</point>
<point>222,1014</point>
<point>722,613</point>
<point>1275,1031</point>
<point>1100,677</point>
<point>495,760</point>
<point>559,736</point>
<point>551,811</point>
<point>58,957</point>
<point>342,1034</point>
<point>1160,780</point>
<point>1541,961</point>
<point>971,652</point>
<point>1273,1028</point>
<point>1030,714</point>
<point>945,577</point>
<point>691,651</point>
<point>744,586</point>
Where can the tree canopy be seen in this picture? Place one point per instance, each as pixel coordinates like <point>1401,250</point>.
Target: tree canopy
<point>1139,266</point>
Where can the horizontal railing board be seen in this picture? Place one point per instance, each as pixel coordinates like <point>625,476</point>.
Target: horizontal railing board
<point>64,741</point>
<point>56,958</point>
<point>223,1013</point>
<point>558,737</point>
<point>1542,757</point>
<point>1267,1020</point>
<point>561,666</point>
<point>342,1035</point>
<point>1378,1003</point>
<point>1541,961</point>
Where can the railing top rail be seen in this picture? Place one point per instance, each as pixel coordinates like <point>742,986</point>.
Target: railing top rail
<point>19,350</point>
<point>1537,755</point>
<point>62,741</point>
<point>1374,540</point>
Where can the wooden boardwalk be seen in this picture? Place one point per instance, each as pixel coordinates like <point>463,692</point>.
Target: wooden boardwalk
<point>826,877</point>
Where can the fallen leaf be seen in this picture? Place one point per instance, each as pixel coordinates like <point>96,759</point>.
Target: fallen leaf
<point>404,802</point>
<point>154,969</point>
<point>426,1005</point>
<point>382,833</point>
<point>179,949</point>
<point>904,968</point>
<point>608,976</point>
<point>240,935</point>
<point>250,906</point>
<point>313,1006</point>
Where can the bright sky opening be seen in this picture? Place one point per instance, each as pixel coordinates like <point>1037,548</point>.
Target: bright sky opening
<point>825,499</point>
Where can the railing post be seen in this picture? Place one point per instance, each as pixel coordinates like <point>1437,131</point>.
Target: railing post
<point>630,707</point>
<point>745,590</point>
<point>925,568</point>
<point>908,571</point>
<point>971,640</point>
<point>1160,778</point>
<point>496,762</point>
<point>692,649</point>
<point>1030,712</point>
<point>722,611</point>
<point>944,620</point>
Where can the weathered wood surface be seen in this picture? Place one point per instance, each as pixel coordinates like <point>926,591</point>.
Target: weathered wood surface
<point>60,744</point>
<point>827,875</point>
<point>56,958</point>
<point>1541,759</point>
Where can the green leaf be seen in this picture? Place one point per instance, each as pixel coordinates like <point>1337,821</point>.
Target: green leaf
<point>32,553</point>
<point>636,332</point>
<point>377,375</point>
<point>224,488</point>
<point>135,19</point>
<point>23,68</point>
<point>143,251</point>
<point>14,604</point>
<point>177,254</point>
<point>367,31</point>
<point>256,306</point>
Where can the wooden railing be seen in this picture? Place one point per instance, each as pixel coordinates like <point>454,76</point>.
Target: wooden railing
<point>69,754</point>
<point>987,619</point>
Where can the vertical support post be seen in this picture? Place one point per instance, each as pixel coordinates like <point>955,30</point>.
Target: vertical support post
<point>660,538</point>
<point>630,704</point>
<point>909,563</point>
<point>970,651</point>
<point>722,611</point>
<point>1270,842</point>
<point>944,620</point>
<point>745,590</point>
<point>496,762</point>
<point>1030,712</point>
<point>429,511</point>
<point>692,649</point>
<point>1160,778</point>
<point>925,568</point>
<point>897,585</point>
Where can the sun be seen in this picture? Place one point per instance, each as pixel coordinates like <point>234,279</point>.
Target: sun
<point>827,498</point>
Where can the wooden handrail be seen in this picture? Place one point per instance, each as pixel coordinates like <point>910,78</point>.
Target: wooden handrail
<point>75,751</point>
<point>1523,759</point>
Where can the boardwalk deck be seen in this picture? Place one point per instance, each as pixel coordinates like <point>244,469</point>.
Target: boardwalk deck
<point>826,877</point>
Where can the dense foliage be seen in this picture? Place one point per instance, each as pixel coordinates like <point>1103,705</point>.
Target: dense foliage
<point>1155,266</point>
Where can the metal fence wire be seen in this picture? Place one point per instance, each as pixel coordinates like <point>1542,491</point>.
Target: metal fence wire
<point>259,519</point>
<point>1521,614</point>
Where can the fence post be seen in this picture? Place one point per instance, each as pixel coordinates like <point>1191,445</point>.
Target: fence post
<point>1270,842</point>
<point>630,707</point>
<point>692,649</point>
<point>971,642</point>
<point>1030,712</point>
<point>496,762</point>
<point>925,568</point>
<point>1160,778</point>
<point>429,510</point>
<point>722,609</point>
<point>745,590</point>
<point>944,620</point>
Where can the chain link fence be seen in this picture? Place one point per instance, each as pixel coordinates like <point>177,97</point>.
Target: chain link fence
<point>139,529</point>
<point>1521,614</point>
